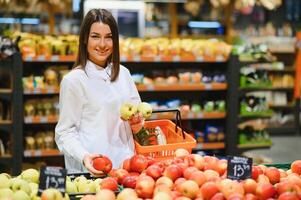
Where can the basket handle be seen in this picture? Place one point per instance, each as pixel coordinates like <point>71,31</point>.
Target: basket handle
<point>178,118</point>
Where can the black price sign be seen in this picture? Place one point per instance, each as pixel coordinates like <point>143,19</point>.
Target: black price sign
<point>52,177</point>
<point>239,168</point>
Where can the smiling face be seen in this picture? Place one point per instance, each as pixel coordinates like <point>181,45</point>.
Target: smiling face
<point>100,43</point>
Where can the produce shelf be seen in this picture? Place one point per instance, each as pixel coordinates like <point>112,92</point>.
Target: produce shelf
<point>253,146</point>
<point>55,90</point>
<point>246,89</point>
<point>54,58</point>
<point>5,93</point>
<point>42,153</point>
<point>182,87</point>
<point>209,146</point>
<point>40,120</point>
<point>190,115</point>
<point>5,159</point>
<point>138,58</point>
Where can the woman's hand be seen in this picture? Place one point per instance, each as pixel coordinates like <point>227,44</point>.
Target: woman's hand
<point>136,122</point>
<point>88,163</point>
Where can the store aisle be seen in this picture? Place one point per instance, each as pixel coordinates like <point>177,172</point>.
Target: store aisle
<point>285,149</point>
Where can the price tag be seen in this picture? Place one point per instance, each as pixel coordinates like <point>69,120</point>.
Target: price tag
<point>199,59</point>
<point>219,58</point>
<point>176,58</point>
<point>123,59</point>
<point>52,177</point>
<point>239,168</point>
<point>208,86</point>
<point>157,58</point>
<point>28,58</point>
<point>150,87</point>
<point>43,119</point>
<point>41,58</point>
<point>28,120</point>
<point>55,58</point>
<point>136,58</point>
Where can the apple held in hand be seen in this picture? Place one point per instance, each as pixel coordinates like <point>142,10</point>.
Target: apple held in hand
<point>102,163</point>
<point>145,109</point>
<point>127,110</point>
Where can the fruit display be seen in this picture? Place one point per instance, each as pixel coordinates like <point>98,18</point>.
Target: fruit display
<point>179,77</point>
<point>254,105</point>
<point>41,108</point>
<point>174,47</point>
<point>7,47</point>
<point>249,135</point>
<point>186,176</point>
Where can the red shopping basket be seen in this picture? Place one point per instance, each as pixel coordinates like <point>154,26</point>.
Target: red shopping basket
<point>175,137</point>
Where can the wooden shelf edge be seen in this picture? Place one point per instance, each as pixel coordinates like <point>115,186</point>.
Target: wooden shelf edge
<point>253,146</point>
<point>41,91</point>
<point>42,153</point>
<point>5,90</point>
<point>209,145</point>
<point>191,115</point>
<point>181,87</point>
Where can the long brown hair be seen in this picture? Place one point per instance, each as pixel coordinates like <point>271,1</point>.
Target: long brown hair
<point>104,16</point>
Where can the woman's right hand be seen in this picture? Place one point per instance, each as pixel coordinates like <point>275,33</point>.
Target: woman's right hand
<point>88,163</point>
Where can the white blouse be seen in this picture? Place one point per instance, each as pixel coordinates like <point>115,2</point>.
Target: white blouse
<point>89,120</point>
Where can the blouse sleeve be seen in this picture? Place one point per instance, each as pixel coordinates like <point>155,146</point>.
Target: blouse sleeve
<point>134,95</point>
<point>66,130</point>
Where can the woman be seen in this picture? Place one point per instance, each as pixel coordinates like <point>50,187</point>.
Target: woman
<point>91,96</point>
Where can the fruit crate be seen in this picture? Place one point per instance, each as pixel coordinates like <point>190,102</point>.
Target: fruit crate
<point>78,196</point>
<point>175,137</point>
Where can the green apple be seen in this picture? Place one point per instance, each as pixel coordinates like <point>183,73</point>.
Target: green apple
<point>21,195</point>
<point>85,187</point>
<point>20,184</point>
<point>51,194</point>
<point>5,181</point>
<point>196,108</point>
<point>97,184</point>
<point>34,189</point>
<point>68,178</point>
<point>127,110</point>
<point>31,175</point>
<point>79,179</point>
<point>146,109</point>
<point>6,193</point>
<point>71,187</point>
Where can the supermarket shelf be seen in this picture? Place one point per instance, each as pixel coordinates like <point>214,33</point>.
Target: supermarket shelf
<point>190,115</point>
<point>38,91</point>
<point>71,58</point>
<point>6,159</point>
<point>139,58</point>
<point>248,89</point>
<point>40,120</point>
<point>289,106</point>
<point>209,146</point>
<point>5,93</point>
<point>182,87</point>
<point>42,153</point>
<point>54,58</point>
<point>253,146</point>
<point>5,125</point>
<point>282,130</point>
<point>267,115</point>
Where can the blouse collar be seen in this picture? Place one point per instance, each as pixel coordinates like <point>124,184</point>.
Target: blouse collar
<point>95,71</point>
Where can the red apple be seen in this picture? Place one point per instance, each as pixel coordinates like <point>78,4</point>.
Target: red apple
<point>130,181</point>
<point>187,172</point>
<point>145,186</point>
<point>120,174</point>
<point>127,194</point>
<point>218,196</point>
<point>173,172</point>
<point>265,190</point>
<point>180,152</point>
<point>178,182</point>
<point>222,166</point>
<point>126,165</point>
<point>229,187</point>
<point>288,196</point>
<point>235,196</point>
<point>189,189</point>
<point>250,196</point>
<point>109,183</point>
<point>211,175</point>
<point>154,171</point>
<point>102,163</point>
<point>256,171</point>
<point>138,163</point>
<point>273,174</point>
<point>208,190</point>
<point>161,188</point>
<point>296,167</point>
<point>198,177</point>
<point>105,194</point>
<point>286,186</point>
<point>263,179</point>
<point>166,181</point>
<point>250,185</point>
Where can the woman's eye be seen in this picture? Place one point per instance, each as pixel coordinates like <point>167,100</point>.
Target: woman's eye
<point>94,36</point>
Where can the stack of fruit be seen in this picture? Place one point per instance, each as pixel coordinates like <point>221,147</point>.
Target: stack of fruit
<point>186,176</point>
